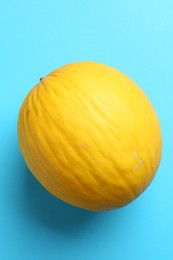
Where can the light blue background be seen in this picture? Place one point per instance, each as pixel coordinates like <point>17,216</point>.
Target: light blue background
<point>38,36</point>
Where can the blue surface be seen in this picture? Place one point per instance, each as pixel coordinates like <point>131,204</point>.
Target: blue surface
<point>38,36</point>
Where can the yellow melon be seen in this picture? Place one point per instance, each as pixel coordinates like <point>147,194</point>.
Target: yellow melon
<point>90,136</point>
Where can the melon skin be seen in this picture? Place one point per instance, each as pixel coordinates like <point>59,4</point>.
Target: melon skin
<point>90,136</point>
